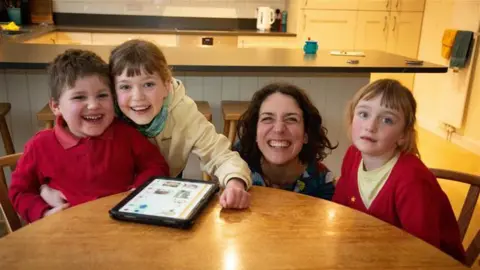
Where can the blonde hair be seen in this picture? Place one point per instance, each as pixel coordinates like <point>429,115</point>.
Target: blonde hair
<point>136,56</point>
<point>394,96</point>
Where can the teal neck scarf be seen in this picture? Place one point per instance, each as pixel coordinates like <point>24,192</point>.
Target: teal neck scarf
<point>153,128</point>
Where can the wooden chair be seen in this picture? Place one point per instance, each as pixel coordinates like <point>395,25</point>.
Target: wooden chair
<point>7,139</point>
<point>12,220</point>
<point>232,110</point>
<point>467,210</point>
<point>46,115</point>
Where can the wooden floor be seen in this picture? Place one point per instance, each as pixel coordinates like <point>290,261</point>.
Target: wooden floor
<point>439,153</point>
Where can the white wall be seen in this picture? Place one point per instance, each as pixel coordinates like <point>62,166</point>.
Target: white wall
<point>435,93</point>
<point>174,8</point>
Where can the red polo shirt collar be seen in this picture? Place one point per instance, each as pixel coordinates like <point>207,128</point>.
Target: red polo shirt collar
<point>68,140</point>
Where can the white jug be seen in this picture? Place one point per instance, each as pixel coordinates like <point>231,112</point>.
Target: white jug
<point>265,18</point>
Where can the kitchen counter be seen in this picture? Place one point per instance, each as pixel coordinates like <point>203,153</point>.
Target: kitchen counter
<point>231,32</point>
<point>211,74</point>
<point>30,32</point>
<point>37,56</point>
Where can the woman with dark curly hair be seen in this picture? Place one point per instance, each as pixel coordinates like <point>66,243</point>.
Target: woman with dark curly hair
<point>283,140</point>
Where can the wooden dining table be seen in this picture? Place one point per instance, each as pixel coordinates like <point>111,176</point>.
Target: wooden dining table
<point>280,230</point>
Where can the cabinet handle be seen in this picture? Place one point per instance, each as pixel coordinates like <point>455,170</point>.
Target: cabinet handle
<point>394,23</point>
<point>385,24</point>
<point>396,5</point>
<point>388,3</point>
<point>53,41</point>
<point>306,2</point>
<point>304,21</point>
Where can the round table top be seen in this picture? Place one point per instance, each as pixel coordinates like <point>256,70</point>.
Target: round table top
<point>280,230</point>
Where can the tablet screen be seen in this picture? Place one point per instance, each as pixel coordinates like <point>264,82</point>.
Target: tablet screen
<point>167,198</point>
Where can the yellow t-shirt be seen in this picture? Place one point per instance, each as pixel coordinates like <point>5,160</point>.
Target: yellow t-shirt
<point>371,182</point>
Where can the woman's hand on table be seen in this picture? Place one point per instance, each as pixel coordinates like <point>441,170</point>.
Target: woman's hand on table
<point>234,195</point>
<point>52,197</point>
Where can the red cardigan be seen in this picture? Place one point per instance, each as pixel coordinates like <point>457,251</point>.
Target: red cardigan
<point>411,199</point>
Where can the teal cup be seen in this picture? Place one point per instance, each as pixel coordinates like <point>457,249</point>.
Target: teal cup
<point>15,15</point>
<point>310,47</point>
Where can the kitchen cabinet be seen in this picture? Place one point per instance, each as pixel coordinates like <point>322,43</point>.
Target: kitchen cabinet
<point>79,38</point>
<point>393,32</point>
<point>391,5</point>
<point>408,5</point>
<point>404,33</point>
<point>333,29</point>
<point>331,4</point>
<point>392,26</point>
<point>403,39</point>
<point>372,30</point>
<point>116,38</point>
<point>268,42</point>
<point>380,5</point>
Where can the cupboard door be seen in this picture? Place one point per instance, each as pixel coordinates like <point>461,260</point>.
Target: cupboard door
<point>333,29</point>
<point>331,4</point>
<point>404,38</point>
<point>383,5</point>
<point>404,33</point>
<point>408,5</point>
<point>372,30</point>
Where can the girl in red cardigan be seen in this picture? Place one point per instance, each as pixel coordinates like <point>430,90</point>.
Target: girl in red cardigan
<point>382,174</point>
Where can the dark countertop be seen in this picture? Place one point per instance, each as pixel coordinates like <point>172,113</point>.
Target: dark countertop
<point>37,56</point>
<point>31,32</point>
<point>232,32</point>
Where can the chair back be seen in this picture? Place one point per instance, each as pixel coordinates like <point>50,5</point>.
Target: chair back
<point>468,207</point>
<point>12,220</point>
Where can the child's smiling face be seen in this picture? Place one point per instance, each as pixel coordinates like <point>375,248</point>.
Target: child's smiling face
<point>87,107</point>
<point>141,97</point>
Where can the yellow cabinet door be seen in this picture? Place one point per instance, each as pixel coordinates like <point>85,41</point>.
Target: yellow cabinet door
<point>331,4</point>
<point>333,29</point>
<point>372,30</point>
<point>403,39</point>
<point>404,33</point>
<point>408,5</point>
<point>375,5</point>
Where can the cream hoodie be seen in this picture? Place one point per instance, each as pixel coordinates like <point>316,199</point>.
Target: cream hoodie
<point>187,130</point>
